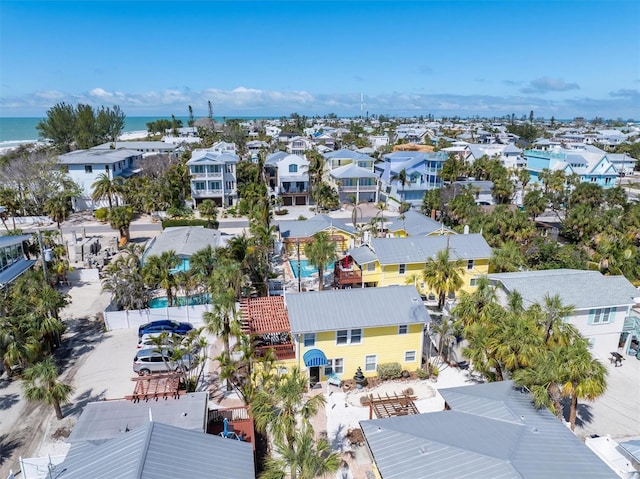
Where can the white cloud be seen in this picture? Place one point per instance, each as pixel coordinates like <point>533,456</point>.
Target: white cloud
<point>547,84</point>
<point>247,101</point>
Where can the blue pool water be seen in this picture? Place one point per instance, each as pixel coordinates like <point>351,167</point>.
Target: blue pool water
<point>306,270</point>
<point>163,302</point>
<point>183,266</point>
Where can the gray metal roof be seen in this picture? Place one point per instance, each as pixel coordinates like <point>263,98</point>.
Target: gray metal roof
<point>362,255</point>
<point>186,240</point>
<point>354,308</point>
<point>415,223</point>
<point>96,157</point>
<point>10,240</point>
<point>158,451</point>
<point>138,145</point>
<point>505,438</point>
<point>352,171</point>
<point>311,226</point>
<point>416,249</point>
<point>578,288</point>
<point>104,420</point>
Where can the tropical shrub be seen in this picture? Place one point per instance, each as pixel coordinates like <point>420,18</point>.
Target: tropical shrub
<point>389,371</point>
<point>101,214</point>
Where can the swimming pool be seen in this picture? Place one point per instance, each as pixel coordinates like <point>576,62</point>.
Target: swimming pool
<point>163,302</point>
<point>183,266</point>
<point>306,270</point>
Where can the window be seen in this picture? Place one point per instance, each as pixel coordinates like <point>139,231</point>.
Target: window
<point>473,282</point>
<point>370,362</point>
<point>470,264</point>
<point>199,185</point>
<point>403,329</point>
<point>228,168</point>
<point>344,336</point>
<point>229,185</point>
<point>402,268</point>
<point>215,185</point>
<point>106,167</point>
<point>371,266</point>
<point>601,315</point>
<point>334,366</point>
<point>293,168</point>
<point>309,339</point>
<point>409,356</point>
<point>88,169</point>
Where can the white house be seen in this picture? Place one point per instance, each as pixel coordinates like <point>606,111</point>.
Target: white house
<point>298,145</point>
<point>600,303</point>
<point>287,176</point>
<point>141,146</point>
<point>84,167</point>
<point>213,176</point>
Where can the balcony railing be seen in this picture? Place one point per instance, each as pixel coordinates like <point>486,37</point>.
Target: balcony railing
<point>282,351</point>
<point>343,276</point>
<point>207,193</point>
<point>207,175</point>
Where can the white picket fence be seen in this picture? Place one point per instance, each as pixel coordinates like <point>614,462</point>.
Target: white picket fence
<point>136,317</point>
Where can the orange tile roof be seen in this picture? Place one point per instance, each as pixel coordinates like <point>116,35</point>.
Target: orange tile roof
<point>265,315</point>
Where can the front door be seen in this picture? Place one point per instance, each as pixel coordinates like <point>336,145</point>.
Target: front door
<point>314,375</point>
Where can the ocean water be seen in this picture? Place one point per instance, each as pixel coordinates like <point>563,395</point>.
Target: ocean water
<point>14,131</point>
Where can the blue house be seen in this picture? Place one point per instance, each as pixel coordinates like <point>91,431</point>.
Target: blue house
<point>591,164</point>
<point>422,171</point>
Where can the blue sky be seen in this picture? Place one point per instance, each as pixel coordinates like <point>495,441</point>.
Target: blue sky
<point>489,58</point>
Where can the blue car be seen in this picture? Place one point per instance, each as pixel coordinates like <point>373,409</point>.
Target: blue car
<point>163,325</point>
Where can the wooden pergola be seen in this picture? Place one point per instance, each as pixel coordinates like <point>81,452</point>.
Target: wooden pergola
<point>156,386</point>
<point>390,406</point>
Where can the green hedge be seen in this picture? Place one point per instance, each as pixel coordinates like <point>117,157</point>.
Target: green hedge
<point>172,223</point>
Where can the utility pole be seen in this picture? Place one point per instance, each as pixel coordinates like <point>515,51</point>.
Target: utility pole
<point>43,252</point>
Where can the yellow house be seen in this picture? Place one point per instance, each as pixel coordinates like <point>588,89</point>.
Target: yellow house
<point>332,333</point>
<point>299,232</point>
<point>399,261</point>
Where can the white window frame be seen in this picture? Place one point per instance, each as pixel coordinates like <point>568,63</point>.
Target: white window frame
<point>371,266</point>
<point>410,360</point>
<point>349,337</point>
<point>309,340</point>
<point>470,264</point>
<point>601,315</point>
<point>402,268</point>
<point>334,366</point>
<point>367,364</point>
<point>405,327</point>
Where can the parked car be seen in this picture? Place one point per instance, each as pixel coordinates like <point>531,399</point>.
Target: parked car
<point>152,360</point>
<point>149,340</point>
<point>167,325</point>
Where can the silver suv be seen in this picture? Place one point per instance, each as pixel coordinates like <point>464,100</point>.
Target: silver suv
<point>152,360</point>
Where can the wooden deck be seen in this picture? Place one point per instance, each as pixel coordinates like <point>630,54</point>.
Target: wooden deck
<point>239,422</point>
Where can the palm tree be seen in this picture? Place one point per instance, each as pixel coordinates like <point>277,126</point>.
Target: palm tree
<point>586,377</point>
<point>554,313</point>
<point>443,275</point>
<point>307,458</point>
<point>58,208</point>
<point>320,252</point>
<point>507,258</point>
<point>157,272</point>
<point>403,180</point>
<point>41,384</point>
<point>124,279</point>
<point>105,187</point>
<point>282,410</point>
<point>209,211</point>
<point>120,218</point>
